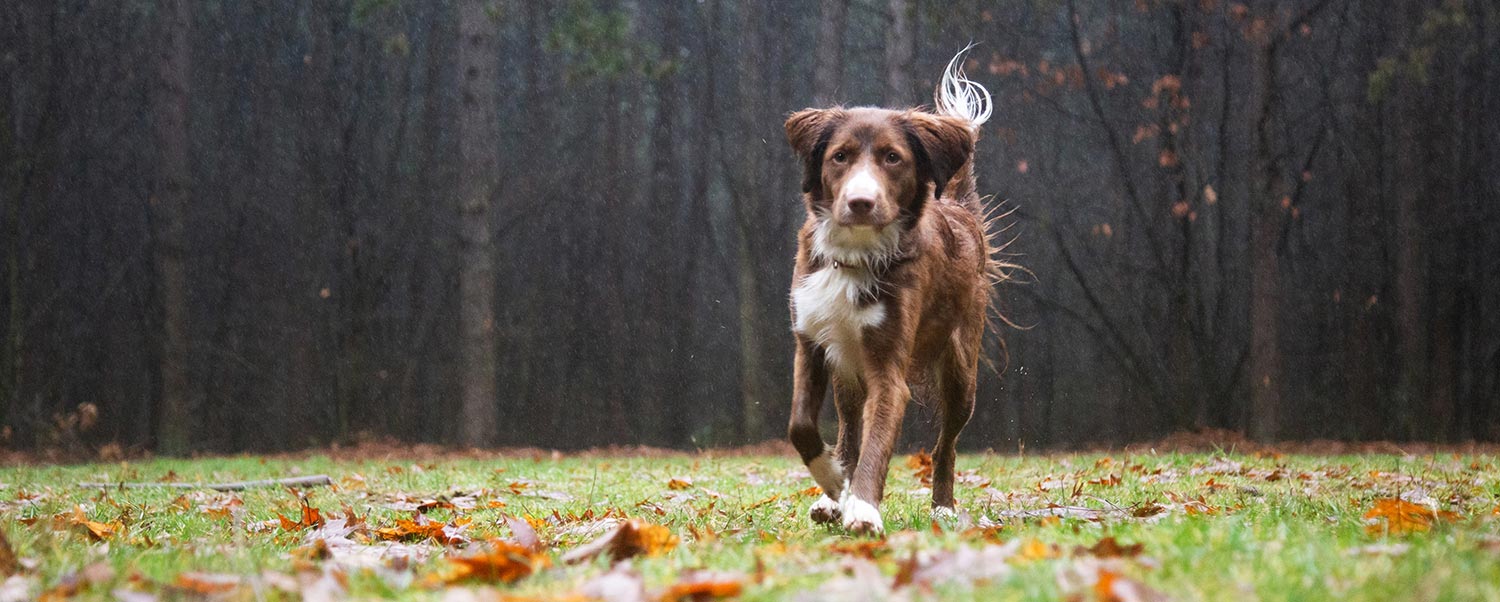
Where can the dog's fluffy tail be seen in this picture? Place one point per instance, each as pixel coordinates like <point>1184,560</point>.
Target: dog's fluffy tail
<point>959,96</point>
<point>963,98</point>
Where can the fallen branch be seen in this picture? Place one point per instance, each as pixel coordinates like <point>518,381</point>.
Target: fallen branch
<point>308,481</point>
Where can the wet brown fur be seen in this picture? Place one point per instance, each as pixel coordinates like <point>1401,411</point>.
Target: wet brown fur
<point>936,291</point>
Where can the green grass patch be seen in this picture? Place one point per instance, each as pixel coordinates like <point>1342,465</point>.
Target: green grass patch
<point>1208,526</point>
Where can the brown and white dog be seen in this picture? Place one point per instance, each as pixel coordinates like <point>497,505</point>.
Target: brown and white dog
<point>891,289</point>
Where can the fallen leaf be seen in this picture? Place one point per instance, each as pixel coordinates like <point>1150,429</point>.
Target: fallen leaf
<point>523,534</point>
<point>311,517</point>
<point>631,538</point>
<point>863,548</point>
<point>703,585</point>
<point>206,584</point>
<point>499,561</point>
<point>1109,548</point>
<point>679,483</point>
<point>423,528</point>
<point>920,464</point>
<point>1394,516</point>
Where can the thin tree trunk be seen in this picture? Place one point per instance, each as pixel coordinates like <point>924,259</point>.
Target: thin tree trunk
<point>169,205</point>
<point>478,68</point>
<point>828,57</point>
<point>1266,219</point>
<point>900,51</point>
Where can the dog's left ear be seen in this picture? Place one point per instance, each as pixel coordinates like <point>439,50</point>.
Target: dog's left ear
<point>942,145</point>
<point>808,132</point>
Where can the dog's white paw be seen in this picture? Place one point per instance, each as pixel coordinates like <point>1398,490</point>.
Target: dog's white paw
<point>825,510</point>
<point>943,513</point>
<point>860,517</point>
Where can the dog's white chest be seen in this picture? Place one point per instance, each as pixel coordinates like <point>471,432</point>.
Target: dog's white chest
<point>827,304</point>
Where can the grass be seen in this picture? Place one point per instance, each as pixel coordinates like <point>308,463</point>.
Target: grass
<point>1210,526</point>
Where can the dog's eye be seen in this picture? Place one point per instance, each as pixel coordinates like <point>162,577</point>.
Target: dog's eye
<point>840,157</point>
<point>891,158</point>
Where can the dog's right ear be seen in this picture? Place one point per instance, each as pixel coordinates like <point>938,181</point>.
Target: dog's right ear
<point>808,132</point>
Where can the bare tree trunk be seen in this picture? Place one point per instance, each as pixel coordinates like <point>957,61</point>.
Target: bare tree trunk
<point>1266,219</point>
<point>828,65</point>
<point>169,205</point>
<point>755,390</point>
<point>478,68</point>
<point>900,51</point>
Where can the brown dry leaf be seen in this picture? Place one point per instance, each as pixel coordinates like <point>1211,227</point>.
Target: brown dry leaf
<point>1032,549</point>
<point>424,528</point>
<point>95,530</point>
<point>1147,509</point>
<point>1393,516</point>
<point>703,585</point>
<point>704,534</point>
<point>311,517</point>
<point>631,538</point>
<point>774,497</point>
<point>1113,587</point>
<point>679,483</point>
<point>206,584</point>
<point>863,548</point>
<point>223,508</point>
<point>1109,548</point>
<point>502,561</point>
<point>354,482</point>
<point>920,464</point>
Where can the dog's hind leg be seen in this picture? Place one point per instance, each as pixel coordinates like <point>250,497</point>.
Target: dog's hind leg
<point>955,374</point>
<point>810,383</point>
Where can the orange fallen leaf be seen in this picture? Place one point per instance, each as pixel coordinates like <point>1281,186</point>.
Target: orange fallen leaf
<point>502,561</point>
<point>1393,516</point>
<point>863,548</point>
<point>423,529</point>
<point>1109,548</point>
<point>633,537</point>
<point>763,502</point>
<point>679,483</point>
<point>206,584</point>
<point>1032,549</point>
<point>920,464</point>
<point>310,518</point>
<point>703,585</point>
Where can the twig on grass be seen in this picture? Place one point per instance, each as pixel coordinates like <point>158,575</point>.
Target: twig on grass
<point>307,481</point>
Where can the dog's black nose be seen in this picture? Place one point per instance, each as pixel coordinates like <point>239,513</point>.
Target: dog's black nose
<point>861,206</point>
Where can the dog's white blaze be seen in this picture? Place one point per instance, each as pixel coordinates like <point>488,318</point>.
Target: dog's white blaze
<point>860,515</point>
<point>827,473</point>
<point>862,185</point>
<point>828,312</point>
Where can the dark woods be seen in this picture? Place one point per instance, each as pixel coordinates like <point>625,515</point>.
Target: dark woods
<point>263,225</point>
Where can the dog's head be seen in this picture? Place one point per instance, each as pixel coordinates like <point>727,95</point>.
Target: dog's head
<point>871,168</point>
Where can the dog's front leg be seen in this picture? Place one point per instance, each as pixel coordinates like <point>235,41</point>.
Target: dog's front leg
<point>884,408</point>
<point>810,382</point>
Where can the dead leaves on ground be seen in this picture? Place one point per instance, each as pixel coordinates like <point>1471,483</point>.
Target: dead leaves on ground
<point>1395,516</point>
<point>631,538</point>
<point>498,561</point>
